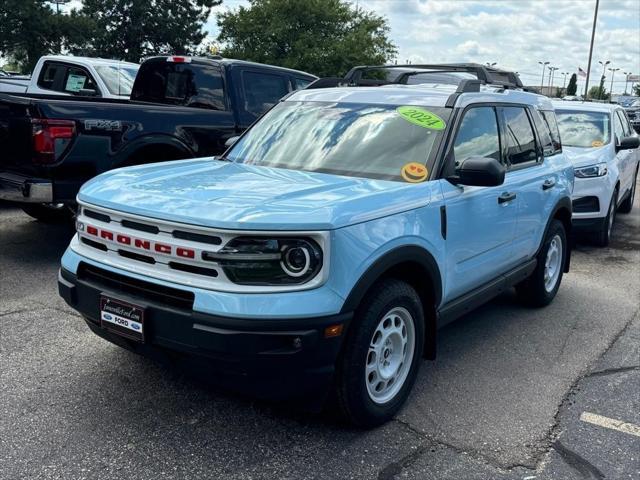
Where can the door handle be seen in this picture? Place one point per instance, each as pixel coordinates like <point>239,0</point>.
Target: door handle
<point>549,183</point>
<point>506,197</point>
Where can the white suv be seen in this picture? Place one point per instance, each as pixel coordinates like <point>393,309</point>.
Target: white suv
<point>601,144</point>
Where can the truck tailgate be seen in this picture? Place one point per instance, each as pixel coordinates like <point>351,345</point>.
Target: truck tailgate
<point>15,132</point>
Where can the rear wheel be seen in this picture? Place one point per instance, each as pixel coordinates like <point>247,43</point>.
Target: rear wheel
<point>627,205</point>
<point>382,354</point>
<point>541,287</point>
<point>49,212</point>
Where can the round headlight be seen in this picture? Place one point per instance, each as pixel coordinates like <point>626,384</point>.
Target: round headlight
<point>296,260</point>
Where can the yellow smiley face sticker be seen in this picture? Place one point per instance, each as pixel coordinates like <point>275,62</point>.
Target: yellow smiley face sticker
<point>414,172</point>
<point>596,143</point>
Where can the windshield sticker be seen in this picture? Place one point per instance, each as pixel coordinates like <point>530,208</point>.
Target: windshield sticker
<point>421,117</point>
<point>75,83</point>
<point>414,172</point>
<point>596,143</point>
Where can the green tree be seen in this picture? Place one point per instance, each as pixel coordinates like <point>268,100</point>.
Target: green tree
<point>598,93</point>
<point>324,37</point>
<point>572,88</point>
<point>636,89</point>
<point>28,30</point>
<point>132,29</point>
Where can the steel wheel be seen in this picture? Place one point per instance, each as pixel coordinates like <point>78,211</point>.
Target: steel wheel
<point>553,263</point>
<point>390,354</point>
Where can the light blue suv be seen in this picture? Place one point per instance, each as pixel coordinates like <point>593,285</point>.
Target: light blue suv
<point>325,248</point>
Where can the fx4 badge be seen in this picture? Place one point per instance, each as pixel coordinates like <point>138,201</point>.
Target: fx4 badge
<point>106,125</point>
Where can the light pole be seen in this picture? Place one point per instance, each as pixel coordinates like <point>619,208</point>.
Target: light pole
<point>491,64</point>
<point>564,81</point>
<point>544,64</point>
<point>552,72</point>
<point>604,67</point>
<point>626,81</point>
<point>613,72</point>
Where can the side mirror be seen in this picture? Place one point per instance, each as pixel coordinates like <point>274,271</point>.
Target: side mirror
<point>479,172</point>
<point>231,140</point>
<point>87,92</point>
<point>628,143</point>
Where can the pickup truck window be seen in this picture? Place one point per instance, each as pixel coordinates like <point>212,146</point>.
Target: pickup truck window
<point>521,141</point>
<point>262,91</point>
<point>189,84</point>
<point>584,129</point>
<point>351,139</point>
<point>119,80</point>
<point>478,135</point>
<point>50,71</point>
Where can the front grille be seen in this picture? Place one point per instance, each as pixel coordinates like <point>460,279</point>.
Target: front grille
<point>143,227</point>
<point>586,204</point>
<point>103,217</point>
<point>91,243</point>
<point>197,237</point>
<point>152,292</point>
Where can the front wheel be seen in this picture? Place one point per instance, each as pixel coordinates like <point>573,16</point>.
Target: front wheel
<point>627,205</point>
<point>381,355</point>
<point>541,287</point>
<point>603,237</point>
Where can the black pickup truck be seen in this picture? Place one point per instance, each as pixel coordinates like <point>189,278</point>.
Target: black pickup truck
<point>180,107</point>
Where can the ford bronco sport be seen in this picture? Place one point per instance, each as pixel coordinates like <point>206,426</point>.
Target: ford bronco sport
<point>327,245</point>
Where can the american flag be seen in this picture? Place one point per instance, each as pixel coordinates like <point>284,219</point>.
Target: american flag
<point>581,72</point>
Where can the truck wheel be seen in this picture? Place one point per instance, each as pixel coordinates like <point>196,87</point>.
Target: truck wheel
<point>627,205</point>
<point>49,212</point>
<point>603,237</point>
<point>541,287</point>
<point>381,355</point>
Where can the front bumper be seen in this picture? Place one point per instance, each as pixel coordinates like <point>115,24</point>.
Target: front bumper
<point>274,359</point>
<point>23,189</point>
<point>591,198</point>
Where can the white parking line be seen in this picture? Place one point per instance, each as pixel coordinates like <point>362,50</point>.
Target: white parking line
<point>611,423</point>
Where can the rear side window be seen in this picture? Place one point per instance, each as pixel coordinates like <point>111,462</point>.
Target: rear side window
<point>189,84</point>
<point>478,135</point>
<point>262,91</point>
<point>521,142</point>
<point>78,79</point>
<point>49,73</point>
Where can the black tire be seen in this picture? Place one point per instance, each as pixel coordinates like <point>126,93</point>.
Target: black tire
<point>533,290</point>
<point>47,213</point>
<point>603,236</point>
<point>352,394</point>
<point>627,205</point>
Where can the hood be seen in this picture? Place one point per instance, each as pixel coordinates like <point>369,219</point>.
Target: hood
<point>582,157</point>
<point>228,195</point>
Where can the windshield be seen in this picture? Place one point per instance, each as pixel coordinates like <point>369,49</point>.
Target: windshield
<point>583,129</point>
<point>385,142</point>
<point>118,78</point>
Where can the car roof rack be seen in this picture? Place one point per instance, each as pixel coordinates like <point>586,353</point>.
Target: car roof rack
<point>484,76</point>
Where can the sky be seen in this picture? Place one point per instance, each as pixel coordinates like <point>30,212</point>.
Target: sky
<point>516,34</point>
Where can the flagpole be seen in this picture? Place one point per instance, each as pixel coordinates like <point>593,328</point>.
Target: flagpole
<point>593,34</point>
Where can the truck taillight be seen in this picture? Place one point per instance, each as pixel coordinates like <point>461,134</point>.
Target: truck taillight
<point>50,139</point>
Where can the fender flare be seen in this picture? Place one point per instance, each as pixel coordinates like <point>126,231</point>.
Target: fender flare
<point>563,203</point>
<point>408,253</point>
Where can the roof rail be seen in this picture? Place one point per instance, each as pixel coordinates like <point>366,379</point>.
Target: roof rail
<point>485,75</point>
<point>488,75</point>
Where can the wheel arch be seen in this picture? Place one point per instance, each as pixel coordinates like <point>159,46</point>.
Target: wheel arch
<point>562,211</point>
<point>155,148</point>
<point>416,266</point>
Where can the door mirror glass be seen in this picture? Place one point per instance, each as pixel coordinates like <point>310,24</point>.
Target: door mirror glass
<point>479,171</point>
<point>231,140</point>
<point>628,143</point>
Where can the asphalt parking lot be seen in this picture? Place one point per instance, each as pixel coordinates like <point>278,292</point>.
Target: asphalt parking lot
<point>514,394</point>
